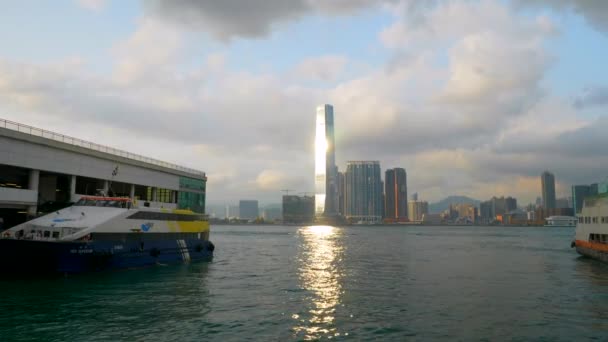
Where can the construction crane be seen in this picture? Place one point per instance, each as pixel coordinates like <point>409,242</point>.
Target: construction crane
<point>286,191</point>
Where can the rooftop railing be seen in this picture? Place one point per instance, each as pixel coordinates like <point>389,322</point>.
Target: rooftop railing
<point>15,126</point>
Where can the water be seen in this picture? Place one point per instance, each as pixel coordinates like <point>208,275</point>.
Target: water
<point>354,283</point>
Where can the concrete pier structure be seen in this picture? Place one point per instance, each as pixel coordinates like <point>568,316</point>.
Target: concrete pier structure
<point>41,171</point>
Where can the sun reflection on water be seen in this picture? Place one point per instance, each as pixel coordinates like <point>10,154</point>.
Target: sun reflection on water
<point>320,274</point>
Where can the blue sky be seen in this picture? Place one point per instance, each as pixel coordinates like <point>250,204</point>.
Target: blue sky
<point>471,97</point>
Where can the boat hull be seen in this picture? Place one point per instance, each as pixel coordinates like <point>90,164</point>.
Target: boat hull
<point>38,257</point>
<point>592,250</point>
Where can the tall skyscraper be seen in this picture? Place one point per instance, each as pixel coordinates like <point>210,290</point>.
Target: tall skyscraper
<point>547,180</point>
<point>248,209</point>
<point>326,189</point>
<point>579,192</point>
<point>363,191</point>
<point>341,193</point>
<point>395,192</point>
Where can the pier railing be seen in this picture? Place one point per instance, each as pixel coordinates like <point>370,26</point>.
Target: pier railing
<point>39,132</point>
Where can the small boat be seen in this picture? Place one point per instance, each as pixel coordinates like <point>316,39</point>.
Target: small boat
<point>103,233</point>
<point>561,221</point>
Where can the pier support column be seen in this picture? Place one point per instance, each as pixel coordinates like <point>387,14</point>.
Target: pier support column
<point>174,197</point>
<point>34,181</point>
<point>154,194</point>
<point>132,192</point>
<point>106,187</point>
<point>72,188</point>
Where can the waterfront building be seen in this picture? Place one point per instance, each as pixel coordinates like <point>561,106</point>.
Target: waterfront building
<point>326,189</point>
<point>432,219</point>
<point>562,203</point>
<point>395,185</point>
<point>43,171</point>
<point>464,211</point>
<point>248,209</point>
<point>363,191</point>
<point>417,209</point>
<point>548,189</point>
<point>491,209</point>
<point>271,214</point>
<point>579,192</point>
<point>414,197</point>
<point>341,193</point>
<point>298,209</point>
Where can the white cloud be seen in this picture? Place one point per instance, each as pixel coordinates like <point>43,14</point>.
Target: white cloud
<point>480,124</point>
<point>93,5</point>
<point>325,68</point>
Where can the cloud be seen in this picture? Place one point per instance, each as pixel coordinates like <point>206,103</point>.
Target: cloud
<point>592,96</point>
<point>229,19</point>
<point>479,122</point>
<point>324,68</point>
<point>92,5</point>
<point>594,11</point>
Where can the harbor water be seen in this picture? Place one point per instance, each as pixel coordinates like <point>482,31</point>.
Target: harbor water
<point>278,283</point>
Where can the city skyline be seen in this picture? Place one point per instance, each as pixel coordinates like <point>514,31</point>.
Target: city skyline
<point>436,88</point>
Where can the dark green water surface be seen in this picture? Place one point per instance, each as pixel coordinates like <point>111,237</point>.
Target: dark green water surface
<point>356,283</point>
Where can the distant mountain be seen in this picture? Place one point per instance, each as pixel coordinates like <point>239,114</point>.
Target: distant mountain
<point>444,204</point>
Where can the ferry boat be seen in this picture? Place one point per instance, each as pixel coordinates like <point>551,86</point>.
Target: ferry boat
<point>591,237</point>
<point>561,221</point>
<point>103,233</point>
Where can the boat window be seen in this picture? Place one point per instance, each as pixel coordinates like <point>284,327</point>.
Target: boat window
<point>47,233</point>
<point>159,216</point>
<point>55,235</point>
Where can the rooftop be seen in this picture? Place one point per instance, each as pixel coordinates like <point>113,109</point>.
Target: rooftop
<point>42,133</point>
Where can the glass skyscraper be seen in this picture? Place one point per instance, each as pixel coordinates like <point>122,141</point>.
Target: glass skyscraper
<point>363,191</point>
<point>548,188</point>
<point>396,194</point>
<point>326,190</point>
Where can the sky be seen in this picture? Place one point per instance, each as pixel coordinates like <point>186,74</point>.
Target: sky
<point>473,98</point>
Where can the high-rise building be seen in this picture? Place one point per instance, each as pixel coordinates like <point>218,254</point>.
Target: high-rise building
<point>395,192</point>
<point>326,189</point>
<point>414,197</point>
<point>547,180</point>
<point>510,204</point>
<point>248,209</point>
<point>488,210</point>
<point>417,210</point>
<point>579,192</point>
<point>271,214</point>
<point>298,209</point>
<point>363,191</point>
<point>341,193</point>
<point>562,203</point>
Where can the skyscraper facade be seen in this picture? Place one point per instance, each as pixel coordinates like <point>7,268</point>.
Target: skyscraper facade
<point>417,209</point>
<point>341,193</point>
<point>298,209</point>
<point>248,209</point>
<point>395,192</point>
<point>547,180</point>
<point>579,192</point>
<point>363,191</point>
<point>326,189</point>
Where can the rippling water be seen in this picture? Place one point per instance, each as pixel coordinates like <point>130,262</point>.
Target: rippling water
<point>354,283</point>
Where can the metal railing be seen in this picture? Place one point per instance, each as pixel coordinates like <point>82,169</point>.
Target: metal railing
<point>38,132</point>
